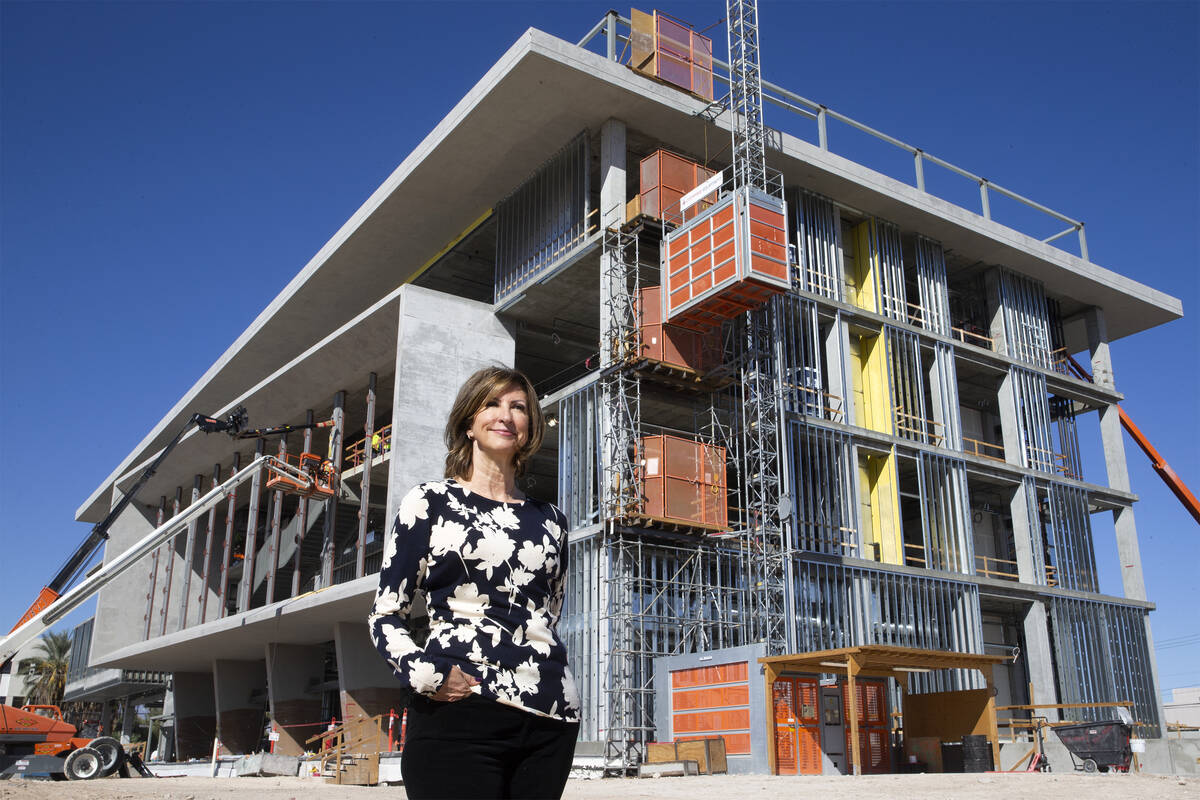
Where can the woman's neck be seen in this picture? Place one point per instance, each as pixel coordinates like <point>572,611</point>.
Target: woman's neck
<point>492,480</point>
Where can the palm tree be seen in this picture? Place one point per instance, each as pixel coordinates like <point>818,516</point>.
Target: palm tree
<point>46,674</point>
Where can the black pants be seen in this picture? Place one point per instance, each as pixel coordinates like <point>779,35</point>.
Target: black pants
<point>477,748</point>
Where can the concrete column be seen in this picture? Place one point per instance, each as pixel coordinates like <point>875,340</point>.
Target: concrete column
<point>195,714</point>
<point>1010,422</point>
<point>337,445</point>
<point>368,685</point>
<point>239,719</point>
<point>995,309</point>
<point>1113,441</point>
<point>837,361</point>
<point>291,669</point>
<point>1027,534</point>
<point>1097,334</point>
<point>612,173</point>
<point>1039,659</point>
<point>1155,685</point>
<point>440,341</point>
<point>127,719</point>
<point>106,718</point>
<point>250,550</point>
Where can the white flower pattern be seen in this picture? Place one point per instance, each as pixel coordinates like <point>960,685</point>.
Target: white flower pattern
<point>490,575</point>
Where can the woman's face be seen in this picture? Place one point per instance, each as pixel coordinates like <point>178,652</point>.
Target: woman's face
<point>501,427</point>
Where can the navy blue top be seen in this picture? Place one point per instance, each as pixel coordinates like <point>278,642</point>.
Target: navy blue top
<point>491,575</point>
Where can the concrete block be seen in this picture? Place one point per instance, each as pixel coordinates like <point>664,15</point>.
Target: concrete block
<point>668,769</point>
<point>267,764</point>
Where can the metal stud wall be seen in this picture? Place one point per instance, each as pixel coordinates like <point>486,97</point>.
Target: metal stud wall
<point>943,396</point>
<point>579,456</point>
<point>579,628</point>
<point>543,218</point>
<point>1032,405</point>
<point>906,380</point>
<point>932,291</point>
<point>824,499</point>
<point>945,511</point>
<point>818,230</point>
<point>1102,656</point>
<point>1026,319</point>
<point>837,606</point>
<point>889,270</point>
<point>802,362</point>
<point>1068,535</point>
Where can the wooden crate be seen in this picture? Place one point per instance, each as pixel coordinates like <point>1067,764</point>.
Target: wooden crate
<point>709,754</point>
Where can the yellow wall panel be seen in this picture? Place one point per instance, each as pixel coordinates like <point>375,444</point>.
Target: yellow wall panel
<point>865,264</point>
<point>879,482</point>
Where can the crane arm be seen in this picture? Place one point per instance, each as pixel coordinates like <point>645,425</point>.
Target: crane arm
<point>59,608</point>
<point>1157,462</point>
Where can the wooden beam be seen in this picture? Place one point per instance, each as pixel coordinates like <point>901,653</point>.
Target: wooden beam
<point>852,686</point>
<point>993,728</point>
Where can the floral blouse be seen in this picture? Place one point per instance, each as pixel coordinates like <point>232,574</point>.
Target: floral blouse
<point>491,574</point>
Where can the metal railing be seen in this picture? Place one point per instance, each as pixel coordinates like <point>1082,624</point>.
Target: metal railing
<point>821,114</point>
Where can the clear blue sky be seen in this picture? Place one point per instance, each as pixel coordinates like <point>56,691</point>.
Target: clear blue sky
<point>166,168</point>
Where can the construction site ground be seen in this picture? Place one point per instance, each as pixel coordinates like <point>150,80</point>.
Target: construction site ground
<point>730,787</point>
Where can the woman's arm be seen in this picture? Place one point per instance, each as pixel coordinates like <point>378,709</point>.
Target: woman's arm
<point>405,559</point>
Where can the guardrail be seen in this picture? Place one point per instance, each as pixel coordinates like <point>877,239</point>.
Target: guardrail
<point>813,111</point>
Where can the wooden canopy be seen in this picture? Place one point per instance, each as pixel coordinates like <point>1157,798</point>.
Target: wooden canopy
<point>879,661</point>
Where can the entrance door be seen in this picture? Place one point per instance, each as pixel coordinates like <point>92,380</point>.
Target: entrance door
<point>833,729</point>
<point>796,726</point>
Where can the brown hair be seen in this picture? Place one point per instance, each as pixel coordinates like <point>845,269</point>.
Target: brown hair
<point>487,384</point>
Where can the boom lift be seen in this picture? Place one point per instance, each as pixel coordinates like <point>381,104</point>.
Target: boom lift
<point>36,739</point>
<point>1157,462</point>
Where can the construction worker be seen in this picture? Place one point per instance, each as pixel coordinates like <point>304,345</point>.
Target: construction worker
<point>376,444</point>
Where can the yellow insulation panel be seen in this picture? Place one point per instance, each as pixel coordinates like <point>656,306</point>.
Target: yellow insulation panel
<point>860,277</point>
<point>879,482</point>
<point>869,376</point>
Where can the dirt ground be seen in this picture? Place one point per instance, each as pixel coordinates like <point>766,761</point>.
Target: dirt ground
<point>723,787</point>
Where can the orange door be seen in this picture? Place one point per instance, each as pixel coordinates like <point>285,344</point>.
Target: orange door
<point>796,726</point>
<point>873,738</point>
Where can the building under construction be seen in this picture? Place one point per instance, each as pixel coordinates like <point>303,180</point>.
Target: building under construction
<point>798,406</point>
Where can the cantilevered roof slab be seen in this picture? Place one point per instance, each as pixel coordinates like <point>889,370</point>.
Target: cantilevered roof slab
<point>540,93</point>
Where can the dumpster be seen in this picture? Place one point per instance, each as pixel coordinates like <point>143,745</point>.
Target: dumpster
<point>1097,745</point>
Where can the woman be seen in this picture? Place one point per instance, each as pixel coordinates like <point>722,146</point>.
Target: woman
<point>495,711</point>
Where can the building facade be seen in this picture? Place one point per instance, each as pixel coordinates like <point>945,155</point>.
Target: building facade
<point>882,449</point>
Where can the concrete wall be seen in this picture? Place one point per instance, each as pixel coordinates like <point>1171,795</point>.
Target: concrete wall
<point>121,605</point>
<point>1184,706</point>
<point>440,341</point>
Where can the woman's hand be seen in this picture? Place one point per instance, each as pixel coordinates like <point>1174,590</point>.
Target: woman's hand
<point>456,687</point>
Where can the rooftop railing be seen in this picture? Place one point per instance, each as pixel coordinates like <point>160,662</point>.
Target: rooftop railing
<point>611,26</point>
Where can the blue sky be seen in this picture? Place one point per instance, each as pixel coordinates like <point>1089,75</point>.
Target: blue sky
<point>166,168</point>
